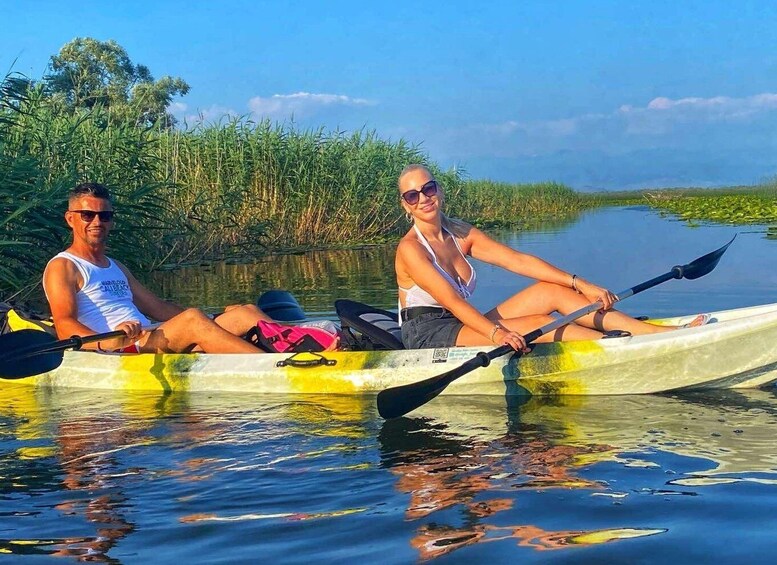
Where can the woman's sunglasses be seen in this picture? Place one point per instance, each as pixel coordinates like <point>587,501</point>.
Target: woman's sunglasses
<point>89,215</point>
<point>412,196</point>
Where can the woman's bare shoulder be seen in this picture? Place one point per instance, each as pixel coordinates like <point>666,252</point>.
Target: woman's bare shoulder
<point>409,247</point>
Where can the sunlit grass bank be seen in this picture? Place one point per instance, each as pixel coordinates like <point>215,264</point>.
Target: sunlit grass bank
<point>244,189</point>
<point>730,205</point>
<point>235,188</point>
<point>275,186</point>
<point>751,205</point>
<point>486,203</point>
<point>43,153</point>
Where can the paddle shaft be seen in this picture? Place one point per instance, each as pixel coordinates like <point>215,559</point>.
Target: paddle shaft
<point>675,273</point>
<point>74,342</point>
<point>398,401</point>
<point>484,358</point>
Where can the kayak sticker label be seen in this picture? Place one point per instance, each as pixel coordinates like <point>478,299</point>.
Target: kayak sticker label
<point>459,354</point>
<point>440,355</point>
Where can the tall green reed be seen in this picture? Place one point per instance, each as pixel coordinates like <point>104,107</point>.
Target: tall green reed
<point>234,188</point>
<point>489,203</point>
<point>43,153</point>
<point>264,185</point>
<point>272,185</point>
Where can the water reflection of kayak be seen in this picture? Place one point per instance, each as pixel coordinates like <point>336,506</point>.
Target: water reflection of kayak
<point>737,350</point>
<point>472,468</point>
<point>731,432</point>
<point>470,471</point>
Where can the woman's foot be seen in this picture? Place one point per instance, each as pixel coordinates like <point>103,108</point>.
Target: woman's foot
<point>699,320</point>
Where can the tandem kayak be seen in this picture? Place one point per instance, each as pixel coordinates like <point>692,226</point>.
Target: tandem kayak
<point>736,349</point>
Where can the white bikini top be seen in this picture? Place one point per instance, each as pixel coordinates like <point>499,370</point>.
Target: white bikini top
<point>417,296</point>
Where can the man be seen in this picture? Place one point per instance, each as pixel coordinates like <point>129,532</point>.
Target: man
<point>90,293</point>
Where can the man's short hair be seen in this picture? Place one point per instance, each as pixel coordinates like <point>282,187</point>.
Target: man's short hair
<point>89,189</point>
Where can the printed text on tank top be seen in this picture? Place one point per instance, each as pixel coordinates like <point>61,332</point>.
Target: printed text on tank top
<point>105,297</point>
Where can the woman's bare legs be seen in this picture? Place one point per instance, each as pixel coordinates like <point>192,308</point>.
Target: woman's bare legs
<point>543,298</point>
<point>530,309</point>
<point>526,324</point>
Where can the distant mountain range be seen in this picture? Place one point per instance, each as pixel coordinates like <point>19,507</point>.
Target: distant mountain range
<point>644,168</point>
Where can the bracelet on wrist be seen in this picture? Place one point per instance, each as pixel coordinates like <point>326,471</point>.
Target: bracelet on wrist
<point>574,284</point>
<point>497,327</point>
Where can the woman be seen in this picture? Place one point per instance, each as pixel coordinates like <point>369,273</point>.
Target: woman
<point>435,279</point>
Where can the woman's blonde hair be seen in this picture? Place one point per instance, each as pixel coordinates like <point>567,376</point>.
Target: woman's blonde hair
<point>457,227</point>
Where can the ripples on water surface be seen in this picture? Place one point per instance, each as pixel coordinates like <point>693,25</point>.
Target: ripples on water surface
<point>96,476</point>
<point>240,478</point>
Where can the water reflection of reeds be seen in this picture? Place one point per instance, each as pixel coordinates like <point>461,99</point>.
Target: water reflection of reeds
<point>470,466</point>
<point>69,461</point>
<point>470,478</point>
<point>316,279</point>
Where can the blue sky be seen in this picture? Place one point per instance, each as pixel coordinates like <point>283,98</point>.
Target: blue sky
<point>596,94</point>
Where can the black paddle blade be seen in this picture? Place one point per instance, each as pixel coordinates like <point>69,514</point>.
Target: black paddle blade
<point>14,361</point>
<point>704,264</point>
<point>399,400</point>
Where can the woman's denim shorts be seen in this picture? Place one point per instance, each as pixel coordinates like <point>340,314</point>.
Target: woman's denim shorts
<point>431,330</point>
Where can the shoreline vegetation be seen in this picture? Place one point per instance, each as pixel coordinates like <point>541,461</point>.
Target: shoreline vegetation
<point>238,189</point>
<point>224,190</point>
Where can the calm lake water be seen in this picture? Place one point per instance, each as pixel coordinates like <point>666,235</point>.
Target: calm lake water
<point>94,476</point>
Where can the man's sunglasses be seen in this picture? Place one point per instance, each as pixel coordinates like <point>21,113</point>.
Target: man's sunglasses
<point>89,215</point>
<point>412,196</point>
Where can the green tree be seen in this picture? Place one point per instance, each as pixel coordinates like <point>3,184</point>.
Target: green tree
<point>88,73</point>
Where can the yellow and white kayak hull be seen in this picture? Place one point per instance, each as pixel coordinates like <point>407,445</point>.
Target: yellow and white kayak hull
<point>738,349</point>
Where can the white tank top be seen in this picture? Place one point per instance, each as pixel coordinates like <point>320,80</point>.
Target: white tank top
<point>417,296</point>
<point>105,299</point>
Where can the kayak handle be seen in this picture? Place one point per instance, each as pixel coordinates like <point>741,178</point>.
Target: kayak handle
<point>306,363</point>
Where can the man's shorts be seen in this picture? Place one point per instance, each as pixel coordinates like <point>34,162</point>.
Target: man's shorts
<point>131,348</point>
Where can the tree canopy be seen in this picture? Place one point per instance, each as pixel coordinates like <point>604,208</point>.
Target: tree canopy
<point>87,73</point>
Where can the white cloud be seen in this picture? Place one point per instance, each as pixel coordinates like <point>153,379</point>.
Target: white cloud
<point>177,108</point>
<point>300,104</point>
<point>214,113</point>
<point>721,105</point>
<point>660,117</point>
<point>688,140</point>
<point>279,107</point>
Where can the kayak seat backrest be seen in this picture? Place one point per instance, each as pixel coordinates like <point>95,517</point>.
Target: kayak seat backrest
<point>281,306</point>
<point>4,309</point>
<point>15,320</point>
<point>379,328</point>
